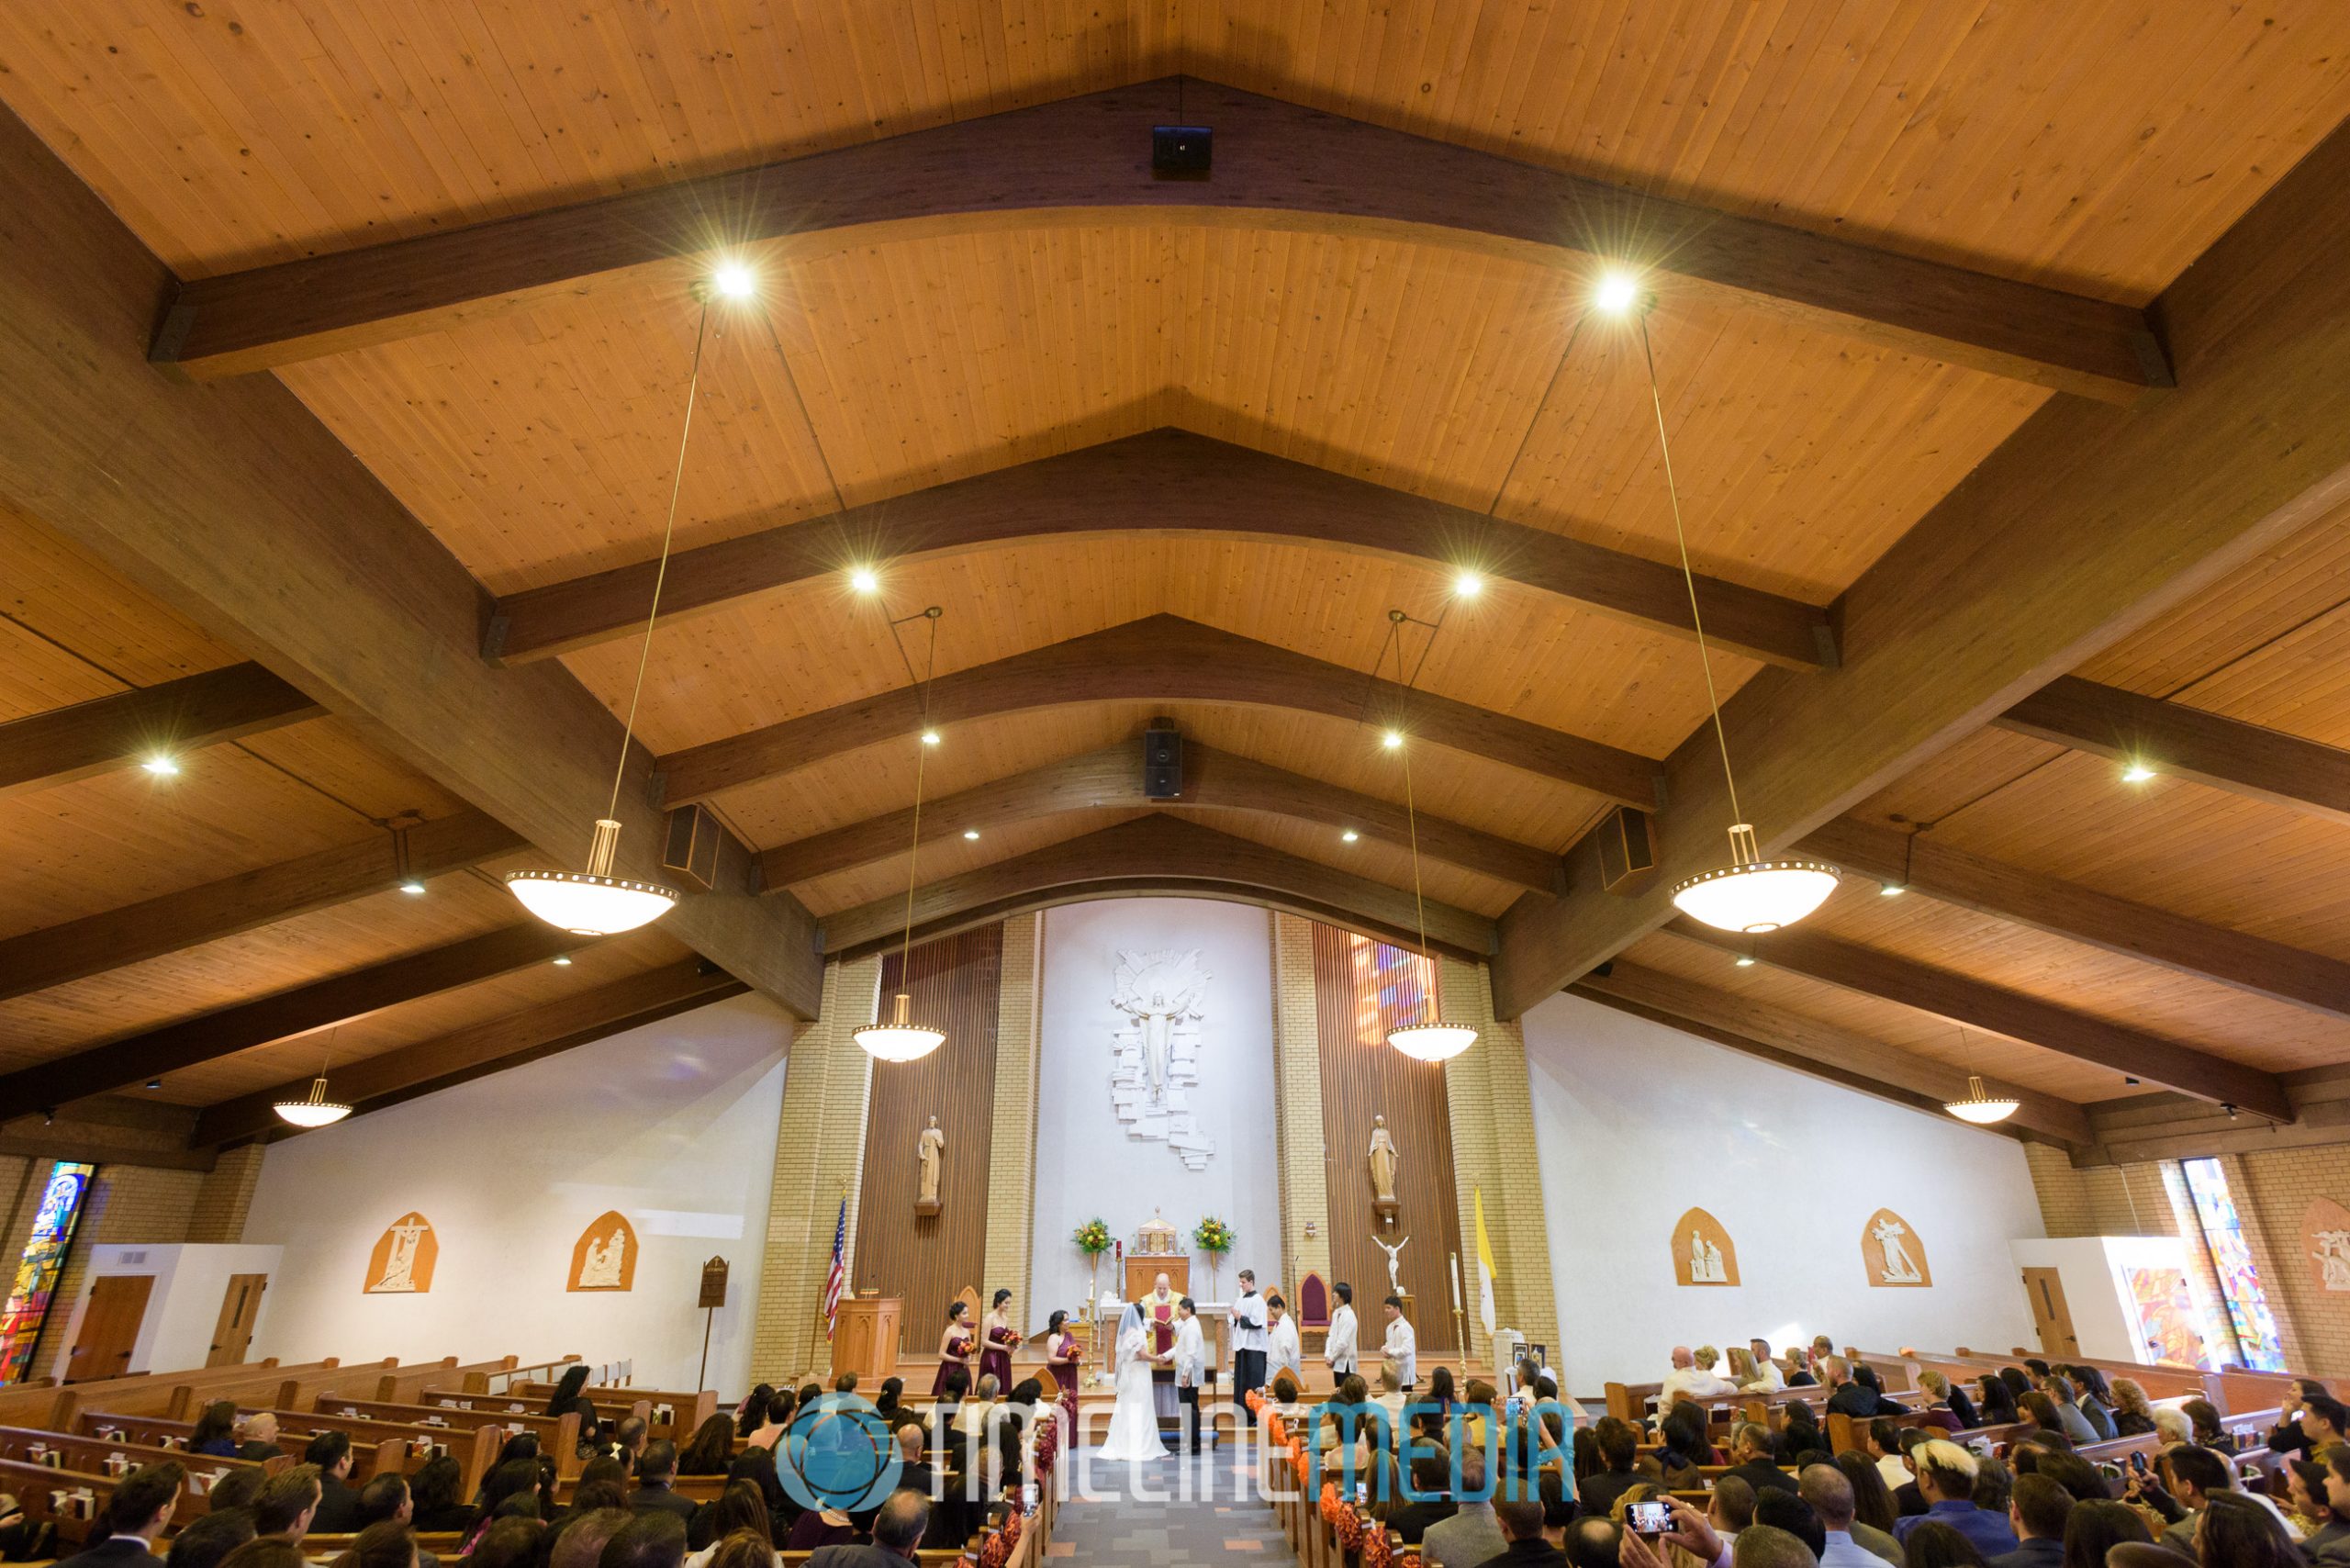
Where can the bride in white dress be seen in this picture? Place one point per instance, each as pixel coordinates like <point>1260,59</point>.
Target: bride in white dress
<point>1133,1420</point>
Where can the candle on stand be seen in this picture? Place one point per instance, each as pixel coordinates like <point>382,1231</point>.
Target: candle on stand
<point>1456,1282</point>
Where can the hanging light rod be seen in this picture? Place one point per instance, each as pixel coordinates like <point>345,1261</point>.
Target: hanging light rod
<point>899,1037</point>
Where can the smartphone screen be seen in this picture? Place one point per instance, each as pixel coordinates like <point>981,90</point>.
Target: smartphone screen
<point>1362,1491</point>
<point>1649,1518</point>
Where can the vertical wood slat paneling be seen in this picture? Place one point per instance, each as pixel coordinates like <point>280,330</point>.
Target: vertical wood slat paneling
<point>957,984</point>
<point>1360,987</point>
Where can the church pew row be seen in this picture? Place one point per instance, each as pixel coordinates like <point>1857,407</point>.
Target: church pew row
<point>114,1456</point>
<point>377,1447</point>
<point>558,1435</point>
<point>75,1500</point>
<point>685,1412</point>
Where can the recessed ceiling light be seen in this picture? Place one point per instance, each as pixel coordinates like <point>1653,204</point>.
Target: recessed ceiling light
<point>1746,960</point>
<point>1348,837</point>
<point>2136,773</point>
<point>562,960</point>
<point>161,765</point>
<point>155,1083</point>
<point>863,580</point>
<point>1392,740</point>
<point>735,281</point>
<point>971,832</point>
<point>930,738</point>
<point>1618,291</point>
<point>1468,585</point>
<point>412,886</point>
<point>1891,890</point>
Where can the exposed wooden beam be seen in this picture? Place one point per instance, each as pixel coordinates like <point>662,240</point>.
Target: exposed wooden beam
<point>373,1082</point>
<point>2065,909</point>
<point>1149,856</point>
<point>1111,778</point>
<point>1793,1040</point>
<point>1158,658</point>
<point>2083,526</point>
<point>338,998</point>
<point>2163,1126</point>
<point>2181,742</point>
<point>1165,482</point>
<point>1086,161</point>
<point>170,923</point>
<point>35,1142</point>
<point>43,750</point>
<point>2081,1035</point>
<point>234,506</point>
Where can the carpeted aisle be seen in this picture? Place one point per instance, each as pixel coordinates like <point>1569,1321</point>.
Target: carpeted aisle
<point>1170,1514</point>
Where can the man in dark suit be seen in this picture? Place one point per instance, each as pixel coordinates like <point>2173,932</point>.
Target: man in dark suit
<point>338,1512</point>
<point>1751,1459</point>
<point>2038,1508</point>
<point>657,1476</point>
<point>1430,1502</point>
<point>897,1536</point>
<point>1846,1397</point>
<point>1521,1522</point>
<point>139,1510</point>
<point>259,1438</point>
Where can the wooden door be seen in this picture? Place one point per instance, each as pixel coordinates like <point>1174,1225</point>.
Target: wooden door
<point>233,1335</point>
<point>109,1327</point>
<point>2049,1317</point>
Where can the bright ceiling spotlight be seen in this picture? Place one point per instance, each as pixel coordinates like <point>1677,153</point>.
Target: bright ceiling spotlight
<point>413,887</point>
<point>2135,773</point>
<point>561,960</point>
<point>864,581</point>
<point>971,832</point>
<point>1349,837</point>
<point>1981,1106</point>
<point>930,738</point>
<point>162,765</point>
<point>1618,291</point>
<point>1891,890</point>
<point>735,280</point>
<point>1746,960</point>
<point>1468,585</point>
<point>1392,740</point>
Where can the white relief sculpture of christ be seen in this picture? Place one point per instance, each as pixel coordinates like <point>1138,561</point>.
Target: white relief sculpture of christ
<point>1158,991</point>
<point>399,1267</point>
<point>1898,1270</point>
<point>1394,1263</point>
<point>2333,1256</point>
<point>1706,1261</point>
<point>599,1268</point>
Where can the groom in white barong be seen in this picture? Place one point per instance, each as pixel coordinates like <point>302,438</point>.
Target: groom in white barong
<point>1133,1419</point>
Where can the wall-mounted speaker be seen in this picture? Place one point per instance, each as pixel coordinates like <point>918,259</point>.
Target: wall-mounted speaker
<point>1627,850</point>
<point>1162,765</point>
<point>1182,151</point>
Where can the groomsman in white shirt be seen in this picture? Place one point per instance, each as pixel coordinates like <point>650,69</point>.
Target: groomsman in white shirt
<point>1191,1358</point>
<point>1249,1341</point>
<point>1402,1346</point>
<point>1282,1352</point>
<point>1339,1340</point>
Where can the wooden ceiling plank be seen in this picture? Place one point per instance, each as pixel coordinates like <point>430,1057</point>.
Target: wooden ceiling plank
<point>2181,742</point>
<point>167,922</point>
<point>1154,854</point>
<point>2014,1014</point>
<point>2085,524</point>
<point>170,719</point>
<point>375,1081</point>
<point>235,507</point>
<point>2065,909</point>
<point>1792,1037</point>
<point>1111,778</point>
<point>321,1004</point>
<point>1278,167</point>
<point>1166,482</point>
<point>1158,658</point>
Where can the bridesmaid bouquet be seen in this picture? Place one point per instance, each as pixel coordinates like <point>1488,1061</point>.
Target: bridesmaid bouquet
<point>1093,1238</point>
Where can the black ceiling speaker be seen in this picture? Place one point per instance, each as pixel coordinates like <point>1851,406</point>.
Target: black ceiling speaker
<point>1182,151</point>
<point>1162,765</point>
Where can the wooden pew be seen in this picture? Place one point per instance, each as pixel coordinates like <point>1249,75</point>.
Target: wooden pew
<point>92,1453</point>
<point>34,1484</point>
<point>558,1436</point>
<point>408,1384</point>
<point>688,1410</point>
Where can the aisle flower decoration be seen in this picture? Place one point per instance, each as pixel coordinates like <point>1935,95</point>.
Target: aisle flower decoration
<point>1093,1238</point>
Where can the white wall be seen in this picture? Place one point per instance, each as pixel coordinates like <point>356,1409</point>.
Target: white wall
<point>183,1304</point>
<point>2096,1291</point>
<point>1636,1123</point>
<point>1087,1165</point>
<point>673,1125</point>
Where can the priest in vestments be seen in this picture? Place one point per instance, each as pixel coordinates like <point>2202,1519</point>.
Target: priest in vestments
<point>1158,1314</point>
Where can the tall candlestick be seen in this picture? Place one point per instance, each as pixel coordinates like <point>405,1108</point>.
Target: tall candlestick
<point>1456,1282</point>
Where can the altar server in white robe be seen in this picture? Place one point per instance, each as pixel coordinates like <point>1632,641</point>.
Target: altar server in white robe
<point>1338,1341</point>
<point>1250,1342</point>
<point>1282,1349</point>
<point>1403,1347</point>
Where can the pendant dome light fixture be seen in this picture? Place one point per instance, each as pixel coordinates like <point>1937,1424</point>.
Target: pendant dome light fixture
<point>1979,1105</point>
<point>1751,894</point>
<point>1427,1037</point>
<point>899,1037</point>
<point>314,1109</point>
<point>595,902</point>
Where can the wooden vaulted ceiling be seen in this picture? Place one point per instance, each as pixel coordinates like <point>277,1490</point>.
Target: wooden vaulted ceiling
<point>1175,451</point>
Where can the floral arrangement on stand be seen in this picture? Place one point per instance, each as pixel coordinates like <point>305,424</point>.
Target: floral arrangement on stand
<point>1214,1238</point>
<point>1092,1239</point>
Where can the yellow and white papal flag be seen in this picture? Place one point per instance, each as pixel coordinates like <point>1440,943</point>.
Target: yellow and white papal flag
<point>1485,1275</point>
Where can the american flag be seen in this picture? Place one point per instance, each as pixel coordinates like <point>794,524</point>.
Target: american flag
<point>838,1275</point>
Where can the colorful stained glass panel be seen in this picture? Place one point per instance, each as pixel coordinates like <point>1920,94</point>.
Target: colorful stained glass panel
<point>2248,1314</point>
<point>38,1269</point>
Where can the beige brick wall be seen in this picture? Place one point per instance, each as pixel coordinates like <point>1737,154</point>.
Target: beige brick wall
<point>1302,1152</point>
<point>2275,1188</point>
<point>1493,1148</point>
<point>126,1204</point>
<point>226,1194</point>
<point>819,1157</point>
<point>1012,1150</point>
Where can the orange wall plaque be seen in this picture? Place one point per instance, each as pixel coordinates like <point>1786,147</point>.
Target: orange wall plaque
<point>1893,1254</point>
<point>604,1257</point>
<point>404,1256</point>
<point>1703,1253</point>
<point>2325,1244</point>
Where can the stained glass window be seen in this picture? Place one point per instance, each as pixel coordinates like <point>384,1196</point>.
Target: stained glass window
<point>1391,986</point>
<point>36,1271</point>
<point>2248,1315</point>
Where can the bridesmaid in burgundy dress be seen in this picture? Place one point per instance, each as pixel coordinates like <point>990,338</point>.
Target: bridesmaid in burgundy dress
<point>998,1339</point>
<point>955,1348</point>
<point>1062,1353</point>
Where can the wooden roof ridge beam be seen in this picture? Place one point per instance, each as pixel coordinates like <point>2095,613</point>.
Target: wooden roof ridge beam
<point>320,1004</point>
<point>2117,1047</point>
<point>236,507</point>
<point>2028,898</point>
<point>129,728</point>
<point>1156,855</point>
<point>1278,166</point>
<point>1161,482</point>
<point>1812,1043</point>
<point>2180,741</point>
<point>2085,524</point>
<point>1111,778</point>
<point>170,923</point>
<point>373,1082</point>
<point>1158,658</point>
